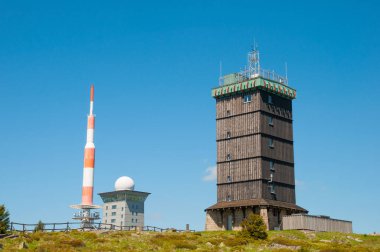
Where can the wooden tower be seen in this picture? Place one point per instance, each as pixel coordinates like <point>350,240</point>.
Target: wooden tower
<point>255,155</point>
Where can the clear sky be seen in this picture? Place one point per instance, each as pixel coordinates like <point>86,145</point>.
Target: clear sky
<point>153,64</point>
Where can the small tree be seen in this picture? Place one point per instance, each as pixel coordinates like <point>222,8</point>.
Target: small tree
<point>4,219</point>
<point>40,226</point>
<point>254,226</point>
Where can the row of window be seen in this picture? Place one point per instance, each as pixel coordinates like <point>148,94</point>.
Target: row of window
<point>122,208</point>
<point>132,220</point>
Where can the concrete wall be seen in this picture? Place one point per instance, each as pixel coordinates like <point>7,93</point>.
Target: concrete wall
<point>123,213</point>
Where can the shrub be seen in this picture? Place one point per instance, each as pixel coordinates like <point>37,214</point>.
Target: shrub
<point>254,226</point>
<point>40,226</point>
<point>4,219</point>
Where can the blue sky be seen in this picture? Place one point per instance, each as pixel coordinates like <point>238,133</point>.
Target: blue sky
<point>153,65</point>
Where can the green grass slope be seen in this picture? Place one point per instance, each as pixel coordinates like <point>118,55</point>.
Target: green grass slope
<point>198,241</point>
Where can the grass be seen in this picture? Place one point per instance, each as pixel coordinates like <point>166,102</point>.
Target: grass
<point>198,241</point>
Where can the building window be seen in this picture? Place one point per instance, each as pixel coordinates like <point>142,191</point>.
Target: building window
<point>132,220</point>
<point>135,220</point>
<point>106,221</point>
<point>228,112</point>
<point>113,220</point>
<point>229,198</point>
<point>228,134</point>
<point>270,120</point>
<point>228,178</point>
<point>113,214</point>
<point>275,212</point>
<point>122,208</point>
<point>247,98</point>
<point>113,206</point>
<point>106,214</point>
<point>122,216</point>
<point>271,188</point>
<point>106,207</point>
<point>270,143</point>
<point>228,157</point>
<point>270,100</point>
<point>271,165</point>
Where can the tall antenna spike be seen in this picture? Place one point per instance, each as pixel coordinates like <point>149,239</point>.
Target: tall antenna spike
<point>286,71</point>
<point>220,69</point>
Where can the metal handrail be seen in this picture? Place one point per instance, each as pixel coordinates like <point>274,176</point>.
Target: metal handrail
<point>67,226</point>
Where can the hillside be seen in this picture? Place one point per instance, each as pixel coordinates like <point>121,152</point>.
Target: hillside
<point>199,241</point>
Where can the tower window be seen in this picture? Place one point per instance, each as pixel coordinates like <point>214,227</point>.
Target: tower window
<point>271,188</point>
<point>228,157</point>
<point>229,198</point>
<point>113,206</point>
<point>270,100</point>
<point>106,207</point>
<point>228,178</point>
<point>106,214</point>
<point>228,112</point>
<point>122,216</point>
<point>113,214</point>
<point>270,120</point>
<point>122,208</point>
<point>228,134</point>
<point>247,98</point>
<point>270,143</point>
<point>271,165</point>
<point>113,220</point>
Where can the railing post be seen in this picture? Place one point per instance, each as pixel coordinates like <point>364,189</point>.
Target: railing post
<point>67,227</point>
<point>53,227</point>
<point>23,228</point>
<point>11,226</point>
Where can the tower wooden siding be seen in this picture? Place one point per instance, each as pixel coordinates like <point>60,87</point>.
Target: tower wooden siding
<point>243,151</point>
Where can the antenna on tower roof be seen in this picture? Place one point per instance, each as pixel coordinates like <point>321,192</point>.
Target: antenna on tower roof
<point>254,61</point>
<point>286,72</point>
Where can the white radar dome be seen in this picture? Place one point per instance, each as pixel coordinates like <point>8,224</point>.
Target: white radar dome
<point>124,183</point>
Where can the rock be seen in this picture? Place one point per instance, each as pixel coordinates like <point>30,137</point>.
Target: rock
<point>23,245</point>
<point>209,244</point>
<point>324,240</point>
<point>221,245</point>
<point>358,240</point>
<point>280,246</point>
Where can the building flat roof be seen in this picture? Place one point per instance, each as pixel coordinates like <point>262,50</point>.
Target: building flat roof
<point>253,84</point>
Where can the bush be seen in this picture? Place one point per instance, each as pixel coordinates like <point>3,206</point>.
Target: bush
<point>40,226</point>
<point>4,219</point>
<point>254,226</point>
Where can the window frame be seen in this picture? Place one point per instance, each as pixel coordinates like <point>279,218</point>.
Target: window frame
<point>249,96</point>
<point>270,99</point>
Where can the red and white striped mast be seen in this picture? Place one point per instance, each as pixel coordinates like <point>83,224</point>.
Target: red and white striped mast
<point>85,215</point>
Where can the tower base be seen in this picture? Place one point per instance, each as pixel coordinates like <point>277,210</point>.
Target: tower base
<point>85,216</point>
<point>229,215</point>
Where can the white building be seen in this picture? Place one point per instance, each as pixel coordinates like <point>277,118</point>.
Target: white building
<point>124,207</point>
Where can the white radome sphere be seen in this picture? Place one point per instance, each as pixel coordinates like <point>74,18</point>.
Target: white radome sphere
<point>124,183</point>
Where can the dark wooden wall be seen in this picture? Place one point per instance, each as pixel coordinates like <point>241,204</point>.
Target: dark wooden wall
<point>248,146</point>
